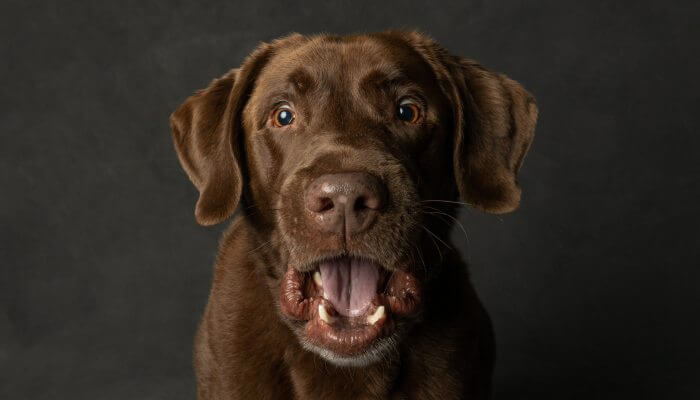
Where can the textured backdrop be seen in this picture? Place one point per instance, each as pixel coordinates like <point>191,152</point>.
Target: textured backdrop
<point>593,285</point>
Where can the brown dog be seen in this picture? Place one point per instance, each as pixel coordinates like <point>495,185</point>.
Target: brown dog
<point>348,156</point>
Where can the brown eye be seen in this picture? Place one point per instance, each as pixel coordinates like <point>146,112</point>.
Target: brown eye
<point>282,116</point>
<point>408,111</point>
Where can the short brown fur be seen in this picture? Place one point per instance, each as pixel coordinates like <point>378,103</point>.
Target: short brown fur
<point>476,130</point>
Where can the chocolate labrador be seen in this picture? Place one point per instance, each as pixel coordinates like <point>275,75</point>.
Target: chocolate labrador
<point>347,157</point>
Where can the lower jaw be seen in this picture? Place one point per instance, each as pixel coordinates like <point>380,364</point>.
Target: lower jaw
<point>346,337</point>
<point>379,350</point>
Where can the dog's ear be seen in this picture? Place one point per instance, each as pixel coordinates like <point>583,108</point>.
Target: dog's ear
<point>494,122</point>
<point>205,130</point>
<point>493,132</point>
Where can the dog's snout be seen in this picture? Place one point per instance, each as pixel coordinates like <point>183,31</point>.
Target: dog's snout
<point>345,202</point>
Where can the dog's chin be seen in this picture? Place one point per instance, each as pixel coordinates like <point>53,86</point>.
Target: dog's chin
<point>380,350</point>
<point>349,310</point>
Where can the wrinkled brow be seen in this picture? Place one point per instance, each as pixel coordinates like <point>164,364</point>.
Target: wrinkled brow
<point>301,81</point>
<point>297,83</point>
<point>387,80</point>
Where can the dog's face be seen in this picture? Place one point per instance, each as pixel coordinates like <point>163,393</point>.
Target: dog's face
<point>342,149</point>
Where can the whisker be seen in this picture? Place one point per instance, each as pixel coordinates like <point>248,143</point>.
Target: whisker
<point>420,255</point>
<point>261,246</point>
<point>461,226</point>
<point>437,247</point>
<point>445,201</point>
<point>437,214</point>
<point>436,237</point>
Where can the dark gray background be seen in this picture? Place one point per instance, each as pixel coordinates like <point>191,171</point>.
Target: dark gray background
<point>592,284</point>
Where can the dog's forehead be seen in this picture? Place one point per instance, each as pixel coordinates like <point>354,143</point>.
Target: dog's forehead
<point>336,62</point>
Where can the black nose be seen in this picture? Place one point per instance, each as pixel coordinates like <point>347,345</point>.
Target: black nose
<point>345,203</point>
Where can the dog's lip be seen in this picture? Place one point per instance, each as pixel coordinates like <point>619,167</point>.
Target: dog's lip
<point>301,299</point>
<point>347,336</point>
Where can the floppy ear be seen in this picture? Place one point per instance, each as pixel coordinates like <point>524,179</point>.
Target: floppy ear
<point>205,130</point>
<point>494,122</point>
<point>493,132</point>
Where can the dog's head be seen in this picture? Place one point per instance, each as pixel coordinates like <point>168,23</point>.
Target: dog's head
<point>348,155</point>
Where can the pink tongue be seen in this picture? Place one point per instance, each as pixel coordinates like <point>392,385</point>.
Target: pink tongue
<point>349,284</point>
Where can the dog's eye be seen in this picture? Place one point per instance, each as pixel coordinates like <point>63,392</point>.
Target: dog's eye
<point>408,111</point>
<point>282,116</point>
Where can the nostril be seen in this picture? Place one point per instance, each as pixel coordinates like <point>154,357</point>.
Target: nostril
<point>325,204</point>
<point>360,203</point>
<point>365,202</point>
<point>319,204</point>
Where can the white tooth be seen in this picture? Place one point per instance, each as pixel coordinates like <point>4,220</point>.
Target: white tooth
<point>317,279</point>
<point>324,314</point>
<point>378,314</point>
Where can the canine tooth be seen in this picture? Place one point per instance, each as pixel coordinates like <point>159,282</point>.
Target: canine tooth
<point>317,279</point>
<point>324,314</point>
<point>378,314</point>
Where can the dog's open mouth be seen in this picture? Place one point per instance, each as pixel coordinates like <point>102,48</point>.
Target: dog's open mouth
<point>347,303</point>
